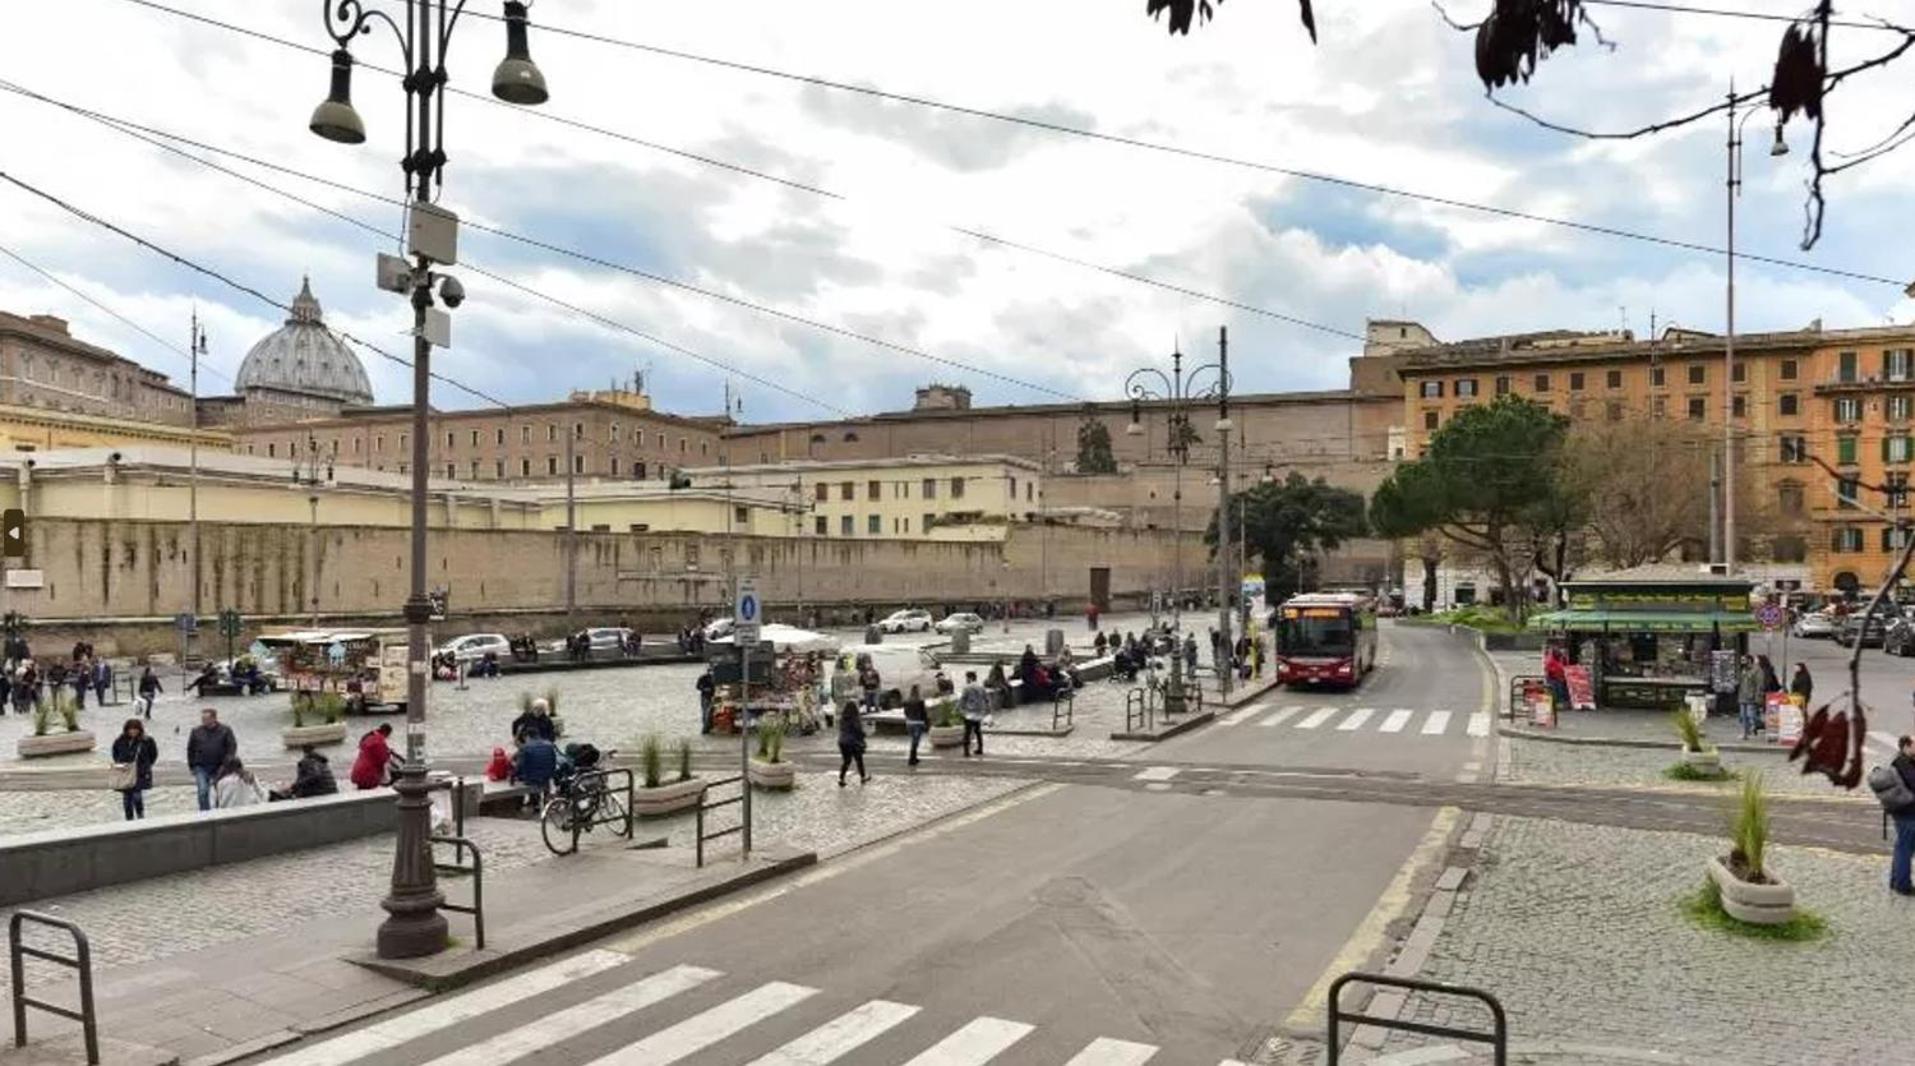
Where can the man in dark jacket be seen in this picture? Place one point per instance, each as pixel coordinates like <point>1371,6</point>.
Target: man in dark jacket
<point>314,775</point>
<point>208,747</point>
<point>1898,870</point>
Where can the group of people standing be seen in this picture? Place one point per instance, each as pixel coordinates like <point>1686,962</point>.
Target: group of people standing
<point>1756,681</point>
<point>22,680</point>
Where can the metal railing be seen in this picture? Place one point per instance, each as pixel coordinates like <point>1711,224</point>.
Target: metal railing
<point>1139,708</point>
<point>1516,686</point>
<point>477,869</point>
<point>1064,709</point>
<point>81,960</point>
<point>1497,1038</point>
<point>705,804</point>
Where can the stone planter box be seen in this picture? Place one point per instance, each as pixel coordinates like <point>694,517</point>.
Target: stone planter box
<point>55,744</point>
<point>1708,760</point>
<point>946,736</point>
<point>668,798</point>
<point>1770,904</point>
<point>316,735</point>
<point>778,775</point>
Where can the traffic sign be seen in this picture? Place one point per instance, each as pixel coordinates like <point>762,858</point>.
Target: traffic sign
<point>1770,615</point>
<point>13,532</point>
<point>747,614</point>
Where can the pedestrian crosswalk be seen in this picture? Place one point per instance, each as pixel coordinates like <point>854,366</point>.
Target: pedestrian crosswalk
<point>1433,723</point>
<point>687,1012</point>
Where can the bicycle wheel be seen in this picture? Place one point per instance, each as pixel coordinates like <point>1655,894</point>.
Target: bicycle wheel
<point>555,824</point>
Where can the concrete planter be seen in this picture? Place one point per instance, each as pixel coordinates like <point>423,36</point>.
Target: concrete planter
<point>667,799</point>
<point>1708,760</point>
<point>1770,904</point>
<point>316,735</point>
<point>55,744</point>
<point>947,736</point>
<point>777,775</point>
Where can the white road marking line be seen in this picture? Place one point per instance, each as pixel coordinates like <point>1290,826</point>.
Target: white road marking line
<point>701,1031</point>
<point>840,1036</point>
<point>1238,717</point>
<point>1436,723</point>
<point>1280,717</point>
<point>1156,773</point>
<point>1356,719</point>
<point>1396,721</point>
<point>541,1033</point>
<point>446,1013</point>
<point>978,1042</point>
<point>1317,718</point>
<point>1479,724</point>
<point>1104,1051</point>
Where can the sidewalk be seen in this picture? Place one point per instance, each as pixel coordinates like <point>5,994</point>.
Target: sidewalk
<point>238,998</point>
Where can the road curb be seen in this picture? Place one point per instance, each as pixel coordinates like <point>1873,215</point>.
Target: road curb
<point>1201,718</point>
<point>1525,733</point>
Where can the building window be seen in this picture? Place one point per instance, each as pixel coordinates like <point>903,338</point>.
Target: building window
<point>1542,383</point>
<point>823,491</point>
<point>272,450</point>
<point>638,469</point>
<point>1028,489</point>
<point>850,438</point>
<point>929,488</point>
<point>1788,405</point>
<point>498,436</point>
<point>1612,411</point>
<point>844,526</point>
<point>957,488</point>
<point>1787,549</point>
<point>1697,408</point>
<point>1896,449</point>
<point>1845,539</point>
<point>1794,449</point>
<point>525,468</point>
<point>1613,379</point>
<point>1897,408</point>
<point>741,515</point>
<point>1788,370</point>
<point>578,464</point>
<point>1698,374</point>
<point>1894,539</point>
<point>704,447</point>
<point>873,490</point>
<point>551,464</point>
<point>1660,405</point>
<point>1845,450</point>
<point>1739,373</point>
<point>1013,488</point>
<point>1895,364</point>
<point>1739,407</point>
<point>356,442</point>
<point>1432,390</point>
<point>924,526</point>
<point>1845,367</point>
<point>661,441</point>
<point>847,491</point>
<point>1897,489</point>
<point>821,526</point>
<point>1789,497</point>
<point>1658,376</point>
<point>1846,492</point>
<point>1576,381</point>
<point>1430,419</point>
<point>1502,385</point>
<point>578,431</point>
<point>551,433</point>
<point>404,440</point>
<point>1848,409</point>
<point>1466,386</point>
<point>873,525</point>
<point>498,469</point>
<point>525,434</point>
<point>681,446</point>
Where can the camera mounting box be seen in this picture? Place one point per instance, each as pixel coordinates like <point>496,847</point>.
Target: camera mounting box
<point>433,231</point>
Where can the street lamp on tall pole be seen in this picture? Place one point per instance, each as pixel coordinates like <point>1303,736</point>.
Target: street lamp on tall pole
<point>1734,190</point>
<point>414,926</point>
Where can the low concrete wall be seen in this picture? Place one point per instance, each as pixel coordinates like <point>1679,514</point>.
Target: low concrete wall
<point>58,862</point>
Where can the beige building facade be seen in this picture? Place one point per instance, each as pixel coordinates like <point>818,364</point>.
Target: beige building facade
<point>44,367</point>
<point>917,497</point>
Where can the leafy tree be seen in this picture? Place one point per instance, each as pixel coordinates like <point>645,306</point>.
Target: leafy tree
<point>1491,483</point>
<point>1287,522</point>
<point>1093,448</point>
<point>1404,509</point>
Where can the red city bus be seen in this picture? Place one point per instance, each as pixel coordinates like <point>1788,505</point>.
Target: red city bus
<point>1325,639</point>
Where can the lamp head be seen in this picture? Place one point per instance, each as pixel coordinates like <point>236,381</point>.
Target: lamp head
<point>1136,426</point>
<point>334,118</point>
<point>517,79</point>
<point>1780,147</point>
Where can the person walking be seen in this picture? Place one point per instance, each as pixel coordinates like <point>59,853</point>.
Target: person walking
<point>1901,807</point>
<point>208,747</point>
<point>1770,682</point>
<point>375,755</point>
<point>1748,697</point>
<point>917,719</point>
<point>851,742</point>
<point>972,703</point>
<point>1802,686</point>
<point>134,754</point>
<point>81,678</point>
<point>1190,653</point>
<point>26,688</point>
<point>870,682</point>
<point>706,686</point>
<point>1556,676</point>
<point>102,681</point>
<point>149,691</point>
<point>236,787</point>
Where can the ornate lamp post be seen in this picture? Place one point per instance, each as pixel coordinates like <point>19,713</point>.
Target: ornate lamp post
<point>1181,392</point>
<point>414,926</point>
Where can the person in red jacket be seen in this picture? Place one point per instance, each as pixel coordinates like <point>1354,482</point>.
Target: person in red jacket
<point>1556,676</point>
<point>375,755</point>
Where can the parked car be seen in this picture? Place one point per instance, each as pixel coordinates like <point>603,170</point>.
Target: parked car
<point>473,646</point>
<point>961,622</point>
<point>907,621</point>
<point>1899,638</point>
<point>1814,624</point>
<point>1870,636</point>
<point>719,628</point>
<point>608,639</point>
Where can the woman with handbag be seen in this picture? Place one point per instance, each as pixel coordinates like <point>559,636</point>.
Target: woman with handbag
<point>134,754</point>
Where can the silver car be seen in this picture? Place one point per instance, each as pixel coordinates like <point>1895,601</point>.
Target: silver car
<point>1815,624</point>
<point>472,647</point>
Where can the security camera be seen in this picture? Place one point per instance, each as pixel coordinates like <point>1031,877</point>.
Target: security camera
<point>451,291</point>
<point>114,458</point>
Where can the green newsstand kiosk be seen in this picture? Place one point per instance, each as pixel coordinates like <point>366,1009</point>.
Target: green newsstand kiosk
<point>1653,636</point>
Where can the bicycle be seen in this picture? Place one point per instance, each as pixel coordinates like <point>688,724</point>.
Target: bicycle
<point>583,801</point>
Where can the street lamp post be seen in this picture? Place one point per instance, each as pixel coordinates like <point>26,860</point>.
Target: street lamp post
<point>1734,190</point>
<point>1180,391</point>
<point>414,926</point>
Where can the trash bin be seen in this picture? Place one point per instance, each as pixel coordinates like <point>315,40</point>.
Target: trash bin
<point>873,635</point>
<point>1053,641</point>
<point>961,642</point>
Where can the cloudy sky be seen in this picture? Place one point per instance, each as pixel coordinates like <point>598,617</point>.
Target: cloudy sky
<point>1388,96</point>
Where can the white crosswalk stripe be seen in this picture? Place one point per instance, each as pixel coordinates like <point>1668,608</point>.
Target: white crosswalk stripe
<point>1318,717</point>
<point>980,1041</point>
<point>1397,720</point>
<point>1436,723</point>
<point>1104,1051</point>
<point>534,1036</point>
<point>1479,724</point>
<point>701,1031</point>
<point>1356,719</point>
<point>1156,773</point>
<point>1238,717</point>
<point>1280,717</point>
<point>840,1036</point>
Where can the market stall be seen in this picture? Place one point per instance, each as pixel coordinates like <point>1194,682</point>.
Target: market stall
<point>1653,637</point>
<point>788,668</point>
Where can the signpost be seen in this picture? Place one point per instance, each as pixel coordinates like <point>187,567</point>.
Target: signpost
<point>747,614</point>
<point>229,625</point>
<point>187,625</point>
<point>1773,616</point>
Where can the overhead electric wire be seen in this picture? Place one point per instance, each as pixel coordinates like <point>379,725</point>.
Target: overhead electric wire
<point>1721,12</point>
<point>1111,138</point>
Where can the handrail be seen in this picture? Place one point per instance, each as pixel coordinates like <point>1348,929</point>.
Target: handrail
<point>1137,710</point>
<point>1516,685</point>
<point>704,804</point>
<point>1498,1038</point>
<point>1064,705</point>
<point>82,960</point>
<point>461,845</point>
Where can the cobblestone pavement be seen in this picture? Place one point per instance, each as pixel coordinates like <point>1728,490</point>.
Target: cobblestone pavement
<point>168,915</point>
<point>1576,929</point>
<point>1540,762</point>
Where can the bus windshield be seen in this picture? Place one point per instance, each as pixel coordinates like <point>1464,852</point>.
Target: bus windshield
<point>1316,631</point>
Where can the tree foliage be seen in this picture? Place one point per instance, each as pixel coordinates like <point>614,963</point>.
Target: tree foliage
<point>1094,454</point>
<point>1288,522</point>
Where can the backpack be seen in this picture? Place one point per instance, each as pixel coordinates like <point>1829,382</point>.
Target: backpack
<point>1890,790</point>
